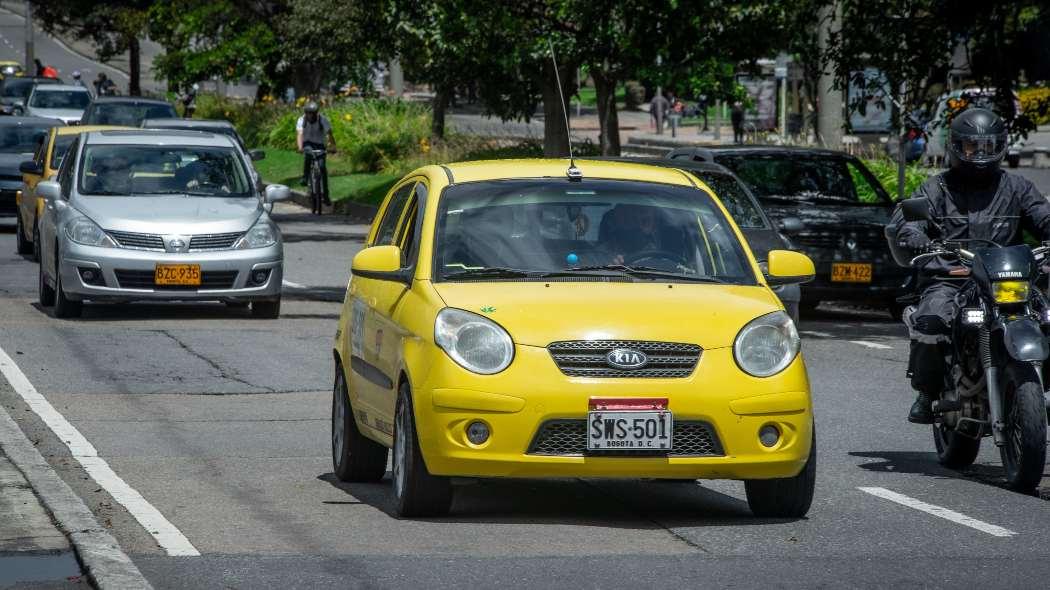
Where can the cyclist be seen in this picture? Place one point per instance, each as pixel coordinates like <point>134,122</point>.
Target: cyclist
<point>312,130</point>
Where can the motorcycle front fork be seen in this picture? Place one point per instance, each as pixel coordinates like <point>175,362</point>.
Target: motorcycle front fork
<point>995,396</point>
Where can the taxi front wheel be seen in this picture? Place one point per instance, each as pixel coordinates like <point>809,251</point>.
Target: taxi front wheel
<point>788,497</point>
<point>417,492</point>
<point>355,457</point>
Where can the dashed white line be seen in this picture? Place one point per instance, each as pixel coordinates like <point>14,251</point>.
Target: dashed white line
<point>815,333</point>
<point>166,534</point>
<point>288,283</point>
<point>940,512</point>
<point>867,344</point>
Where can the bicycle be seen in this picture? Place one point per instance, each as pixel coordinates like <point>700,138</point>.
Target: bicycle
<point>316,183</point>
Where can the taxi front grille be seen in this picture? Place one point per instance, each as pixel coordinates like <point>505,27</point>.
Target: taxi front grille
<point>566,438</point>
<point>587,358</point>
<point>144,279</point>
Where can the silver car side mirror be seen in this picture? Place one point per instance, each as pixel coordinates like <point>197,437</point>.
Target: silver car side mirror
<point>277,192</point>
<point>49,190</point>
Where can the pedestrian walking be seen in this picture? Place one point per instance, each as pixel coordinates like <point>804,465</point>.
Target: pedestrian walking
<point>736,116</point>
<point>658,108</point>
<point>674,114</point>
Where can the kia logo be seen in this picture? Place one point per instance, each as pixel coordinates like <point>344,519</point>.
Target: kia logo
<point>626,358</point>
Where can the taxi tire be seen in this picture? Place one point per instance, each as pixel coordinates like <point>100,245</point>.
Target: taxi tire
<point>266,310</point>
<point>24,246</point>
<point>45,293</point>
<point>359,458</point>
<point>36,241</point>
<point>64,306</point>
<point>787,497</point>
<point>422,494</point>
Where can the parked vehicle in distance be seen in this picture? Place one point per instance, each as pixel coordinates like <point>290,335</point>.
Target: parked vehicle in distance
<point>158,215</point>
<point>44,166</point>
<point>842,209</point>
<point>126,111</point>
<point>211,126</point>
<point>518,319</point>
<point>15,90</point>
<point>19,138</point>
<point>10,68</point>
<point>58,101</point>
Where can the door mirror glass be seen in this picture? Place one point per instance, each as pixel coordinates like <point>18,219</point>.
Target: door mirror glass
<point>277,192</point>
<point>31,167</point>
<point>787,267</point>
<point>377,259</point>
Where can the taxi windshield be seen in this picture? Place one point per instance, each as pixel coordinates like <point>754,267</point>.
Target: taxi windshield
<point>125,170</point>
<point>589,230</point>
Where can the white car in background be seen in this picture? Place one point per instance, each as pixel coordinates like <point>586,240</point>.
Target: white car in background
<point>58,101</point>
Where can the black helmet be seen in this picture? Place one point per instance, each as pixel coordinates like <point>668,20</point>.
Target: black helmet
<point>310,108</point>
<point>977,141</point>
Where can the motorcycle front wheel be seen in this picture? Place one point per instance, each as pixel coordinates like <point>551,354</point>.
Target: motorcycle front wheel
<point>1024,412</point>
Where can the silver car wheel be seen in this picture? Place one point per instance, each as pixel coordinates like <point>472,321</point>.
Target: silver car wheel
<point>400,432</point>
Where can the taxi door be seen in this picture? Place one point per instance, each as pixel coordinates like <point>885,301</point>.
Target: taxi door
<point>27,201</point>
<point>370,384</point>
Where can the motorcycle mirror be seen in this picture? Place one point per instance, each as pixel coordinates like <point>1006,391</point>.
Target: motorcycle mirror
<point>916,209</point>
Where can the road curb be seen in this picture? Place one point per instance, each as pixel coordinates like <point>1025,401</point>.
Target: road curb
<point>104,562</point>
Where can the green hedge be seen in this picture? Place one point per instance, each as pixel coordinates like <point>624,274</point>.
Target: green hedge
<point>885,170</point>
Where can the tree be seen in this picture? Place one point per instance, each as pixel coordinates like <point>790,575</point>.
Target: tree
<point>114,26</point>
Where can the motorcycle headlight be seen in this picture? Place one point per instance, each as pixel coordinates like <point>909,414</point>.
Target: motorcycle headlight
<point>766,345</point>
<point>475,342</point>
<point>1010,291</point>
<point>84,231</point>
<point>261,235</point>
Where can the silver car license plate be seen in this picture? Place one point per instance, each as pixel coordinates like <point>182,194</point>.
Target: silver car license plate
<point>629,431</point>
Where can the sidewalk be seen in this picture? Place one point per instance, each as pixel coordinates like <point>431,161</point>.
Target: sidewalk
<point>32,549</point>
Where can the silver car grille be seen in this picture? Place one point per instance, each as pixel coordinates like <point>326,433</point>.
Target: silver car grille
<point>691,438</point>
<point>586,358</point>
<point>214,241</point>
<point>137,241</point>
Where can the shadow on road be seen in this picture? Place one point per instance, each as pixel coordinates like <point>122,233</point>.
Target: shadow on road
<point>919,463</point>
<point>629,504</point>
<point>293,237</point>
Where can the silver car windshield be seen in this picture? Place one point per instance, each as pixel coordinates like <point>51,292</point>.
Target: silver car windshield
<point>60,99</point>
<point>138,170</point>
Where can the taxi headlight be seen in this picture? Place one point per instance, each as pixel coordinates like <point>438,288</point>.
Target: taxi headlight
<point>766,345</point>
<point>261,235</point>
<point>1010,291</point>
<point>475,342</point>
<point>84,231</point>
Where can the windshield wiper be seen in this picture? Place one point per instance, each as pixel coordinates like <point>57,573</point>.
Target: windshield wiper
<point>492,272</point>
<point>107,194</point>
<point>645,271</point>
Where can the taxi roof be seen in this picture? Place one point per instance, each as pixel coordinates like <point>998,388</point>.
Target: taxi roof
<point>556,168</point>
<point>78,129</point>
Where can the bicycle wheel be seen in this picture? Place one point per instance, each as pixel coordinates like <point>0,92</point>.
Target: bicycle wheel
<point>316,191</point>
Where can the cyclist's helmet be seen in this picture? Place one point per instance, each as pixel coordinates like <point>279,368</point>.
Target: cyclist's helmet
<point>311,108</point>
<point>977,142</point>
<point>76,74</point>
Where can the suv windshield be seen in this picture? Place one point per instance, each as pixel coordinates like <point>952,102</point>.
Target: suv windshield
<point>21,139</point>
<point>60,99</point>
<point>21,87</point>
<point>128,114</point>
<point>796,177</point>
<point>521,229</point>
<point>126,170</point>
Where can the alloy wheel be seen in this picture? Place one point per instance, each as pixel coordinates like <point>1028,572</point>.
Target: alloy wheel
<point>400,432</point>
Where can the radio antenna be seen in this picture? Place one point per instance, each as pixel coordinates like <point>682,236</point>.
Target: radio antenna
<point>573,172</point>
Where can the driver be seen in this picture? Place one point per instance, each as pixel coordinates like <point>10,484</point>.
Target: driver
<point>974,199</point>
<point>633,229</point>
<point>113,175</point>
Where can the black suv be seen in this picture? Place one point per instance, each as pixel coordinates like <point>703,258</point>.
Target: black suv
<point>831,207</point>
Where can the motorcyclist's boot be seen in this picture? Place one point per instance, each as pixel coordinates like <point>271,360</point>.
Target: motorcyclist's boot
<point>922,410</point>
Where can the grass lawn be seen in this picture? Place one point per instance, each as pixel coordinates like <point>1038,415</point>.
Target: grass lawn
<point>286,167</point>
<point>589,97</point>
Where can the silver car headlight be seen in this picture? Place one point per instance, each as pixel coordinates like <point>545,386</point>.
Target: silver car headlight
<point>766,345</point>
<point>475,342</point>
<point>261,235</point>
<point>84,231</point>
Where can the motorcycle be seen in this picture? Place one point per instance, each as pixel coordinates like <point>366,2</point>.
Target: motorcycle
<point>999,348</point>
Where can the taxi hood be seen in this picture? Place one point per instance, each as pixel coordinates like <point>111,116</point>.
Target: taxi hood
<point>538,313</point>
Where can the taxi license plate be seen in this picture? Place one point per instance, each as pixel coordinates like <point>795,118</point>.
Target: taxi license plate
<point>177,274</point>
<point>629,431</point>
<point>851,272</point>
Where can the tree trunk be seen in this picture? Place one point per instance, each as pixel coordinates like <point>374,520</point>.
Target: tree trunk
<point>608,117</point>
<point>134,67</point>
<point>555,122</point>
<point>437,123</point>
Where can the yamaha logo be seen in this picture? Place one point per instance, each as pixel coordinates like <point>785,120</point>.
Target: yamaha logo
<point>626,358</point>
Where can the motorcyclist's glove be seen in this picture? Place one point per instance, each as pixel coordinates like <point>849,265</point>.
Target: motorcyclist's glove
<point>918,242</point>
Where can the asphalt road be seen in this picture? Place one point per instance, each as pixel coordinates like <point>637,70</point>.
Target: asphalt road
<point>221,423</point>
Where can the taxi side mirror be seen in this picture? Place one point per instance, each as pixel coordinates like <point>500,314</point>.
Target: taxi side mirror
<point>31,167</point>
<point>381,263</point>
<point>787,267</point>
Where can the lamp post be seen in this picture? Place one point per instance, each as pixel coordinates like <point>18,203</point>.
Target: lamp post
<point>30,64</point>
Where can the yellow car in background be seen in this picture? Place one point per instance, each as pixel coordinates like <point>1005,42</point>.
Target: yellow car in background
<point>531,319</point>
<point>10,68</point>
<point>43,166</point>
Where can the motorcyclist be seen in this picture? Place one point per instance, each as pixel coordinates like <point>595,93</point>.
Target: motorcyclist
<point>974,199</point>
<point>312,131</point>
<point>189,101</point>
<point>77,81</point>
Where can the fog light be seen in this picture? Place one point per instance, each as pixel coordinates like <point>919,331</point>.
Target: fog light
<point>259,276</point>
<point>477,433</point>
<point>973,316</point>
<point>768,435</point>
<point>91,276</point>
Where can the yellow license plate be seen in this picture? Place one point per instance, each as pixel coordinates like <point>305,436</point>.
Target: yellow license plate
<point>177,274</point>
<point>851,272</point>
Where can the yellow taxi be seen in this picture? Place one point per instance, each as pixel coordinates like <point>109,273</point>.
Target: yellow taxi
<point>542,318</point>
<point>10,68</point>
<point>43,166</point>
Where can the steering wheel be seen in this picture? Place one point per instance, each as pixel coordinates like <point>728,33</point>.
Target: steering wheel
<point>654,254</point>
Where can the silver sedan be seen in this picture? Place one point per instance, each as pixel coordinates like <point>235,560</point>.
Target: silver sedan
<point>158,215</point>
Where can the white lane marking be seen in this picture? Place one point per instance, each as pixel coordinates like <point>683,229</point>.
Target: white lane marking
<point>938,511</point>
<point>288,283</point>
<point>871,344</point>
<point>166,534</point>
<point>815,333</point>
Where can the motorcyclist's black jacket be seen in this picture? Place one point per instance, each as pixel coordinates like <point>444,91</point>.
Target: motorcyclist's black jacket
<point>1000,210</point>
